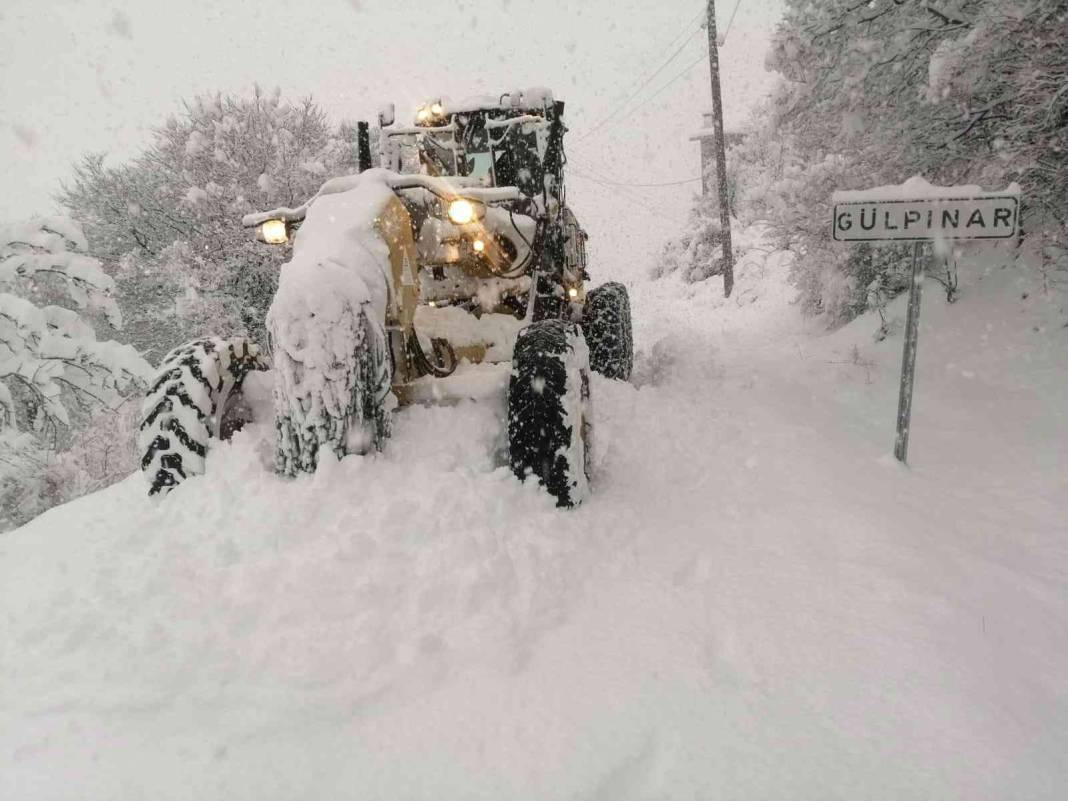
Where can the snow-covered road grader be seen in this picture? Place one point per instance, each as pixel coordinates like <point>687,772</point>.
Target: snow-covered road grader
<point>457,254</point>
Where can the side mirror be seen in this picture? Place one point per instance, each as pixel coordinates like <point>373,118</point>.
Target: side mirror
<point>387,115</point>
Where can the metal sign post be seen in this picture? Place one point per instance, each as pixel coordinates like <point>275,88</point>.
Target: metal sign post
<point>908,355</point>
<point>858,218</point>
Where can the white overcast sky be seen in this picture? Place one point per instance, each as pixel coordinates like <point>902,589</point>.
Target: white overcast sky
<point>93,75</point>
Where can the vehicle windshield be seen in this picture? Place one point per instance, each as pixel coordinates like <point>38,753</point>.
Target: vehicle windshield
<point>497,157</point>
<point>480,166</point>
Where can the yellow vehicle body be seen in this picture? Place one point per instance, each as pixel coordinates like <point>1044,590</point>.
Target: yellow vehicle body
<point>470,270</point>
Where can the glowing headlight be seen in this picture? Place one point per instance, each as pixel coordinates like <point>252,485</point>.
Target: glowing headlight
<point>572,293</point>
<point>422,115</point>
<point>462,211</point>
<point>478,245</point>
<point>437,110</point>
<point>274,232</point>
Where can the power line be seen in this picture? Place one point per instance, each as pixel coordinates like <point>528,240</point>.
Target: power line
<point>657,93</point>
<point>653,96</point>
<point>731,20</point>
<point>640,185</point>
<point>622,106</point>
<point>623,192</point>
<point>592,175</point>
<point>619,108</point>
<point>641,203</point>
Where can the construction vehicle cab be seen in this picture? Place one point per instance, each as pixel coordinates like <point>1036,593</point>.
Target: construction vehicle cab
<point>509,150</point>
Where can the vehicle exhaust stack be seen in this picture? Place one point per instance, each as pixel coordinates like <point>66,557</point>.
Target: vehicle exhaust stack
<point>363,145</point>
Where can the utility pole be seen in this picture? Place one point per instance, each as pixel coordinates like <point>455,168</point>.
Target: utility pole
<point>721,154</point>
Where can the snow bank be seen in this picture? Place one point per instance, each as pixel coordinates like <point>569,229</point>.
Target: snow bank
<point>754,602</point>
<point>496,332</point>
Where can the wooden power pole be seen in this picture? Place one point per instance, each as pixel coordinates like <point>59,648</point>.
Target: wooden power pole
<point>721,154</point>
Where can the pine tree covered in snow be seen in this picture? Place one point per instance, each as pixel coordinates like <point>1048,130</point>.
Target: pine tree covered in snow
<point>53,370</point>
<point>167,224</point>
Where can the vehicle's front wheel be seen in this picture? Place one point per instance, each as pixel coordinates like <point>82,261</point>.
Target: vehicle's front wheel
<point>549,420</point>
<point>332,387</point>
<point>606,323</point>
<point>194,398</point>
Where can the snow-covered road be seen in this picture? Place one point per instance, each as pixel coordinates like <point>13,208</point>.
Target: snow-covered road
<point>757,602</point>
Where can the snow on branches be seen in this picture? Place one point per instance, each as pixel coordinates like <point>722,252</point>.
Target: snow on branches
<point>875,91</point>
<point>47,349</point>
<point>167,223</point>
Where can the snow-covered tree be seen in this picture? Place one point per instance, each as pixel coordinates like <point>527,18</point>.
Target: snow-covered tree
<point>167,224</point>
<point>959,91</point>
<point>46,349</point>
<point>873,92</point>
<point>52,366</point>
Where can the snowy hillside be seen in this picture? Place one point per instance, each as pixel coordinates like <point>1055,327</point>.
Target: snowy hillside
<point>757,601</point>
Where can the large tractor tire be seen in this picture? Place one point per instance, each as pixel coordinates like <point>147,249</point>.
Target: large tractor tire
<point>606,324</point>
<point>327,401</point>
<point>189,403</point>
<point>549,420</point>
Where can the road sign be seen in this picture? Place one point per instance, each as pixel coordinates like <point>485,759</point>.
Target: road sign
<point>976,217</point>
<point>881,215</point>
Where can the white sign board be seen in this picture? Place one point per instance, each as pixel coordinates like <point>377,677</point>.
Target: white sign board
<point>977,217</point>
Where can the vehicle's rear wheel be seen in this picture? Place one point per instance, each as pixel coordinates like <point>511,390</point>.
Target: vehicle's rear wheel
<point>193,399</point>
<point>549,420</point>
<point>606,324</point>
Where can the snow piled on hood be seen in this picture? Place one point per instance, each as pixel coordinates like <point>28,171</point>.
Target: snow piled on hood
<point>338,256</point>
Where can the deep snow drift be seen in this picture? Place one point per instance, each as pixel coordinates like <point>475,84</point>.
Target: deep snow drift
<point>756,601</point>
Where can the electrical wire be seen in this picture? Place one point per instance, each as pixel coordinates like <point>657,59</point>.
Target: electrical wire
<point>731,20</point>
<point>659,91</point>
<point>648,79</point>
<point>619,109</point>
<point>638,185</point>
<point>655,94</point>
<point>622,194</point>
<point>588,173</point>
<point>695,18</point>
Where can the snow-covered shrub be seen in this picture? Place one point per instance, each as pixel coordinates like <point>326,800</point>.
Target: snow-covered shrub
<point>102,451</point>
<point>168,223</point>
<point>34,476</point>
<point>28,484</point>
<point>53,370</point>
<point>698,253</point>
